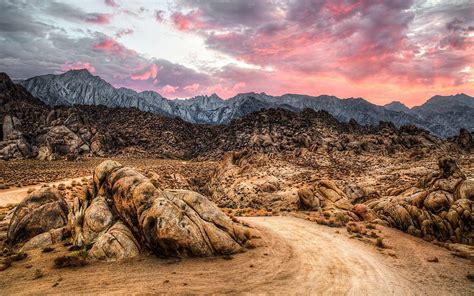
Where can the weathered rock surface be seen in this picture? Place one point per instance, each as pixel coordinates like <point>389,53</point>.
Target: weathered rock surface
<point>116,243</point>
<point>440,207</point>
<point>253,180</point>
<point>170,223</point>
<point>45,239</point>
<point>323,194</point>
<point>94,225</point>
<point>41,211</point>
<point>121,213</point>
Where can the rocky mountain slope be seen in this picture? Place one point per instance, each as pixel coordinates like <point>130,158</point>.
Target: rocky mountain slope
<point>397,106</point>
<point>79,87</point>
<point>33,129</point>
<point>446,114</point>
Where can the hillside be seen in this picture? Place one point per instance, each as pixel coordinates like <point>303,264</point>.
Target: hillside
<point>79,87</point>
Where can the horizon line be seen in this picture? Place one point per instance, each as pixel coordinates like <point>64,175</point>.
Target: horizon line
<point>225,99</point>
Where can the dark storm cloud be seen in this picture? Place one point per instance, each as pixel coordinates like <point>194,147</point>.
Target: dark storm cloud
<point>16,18</point>
<point>29,48</point>
<point>354,38</point>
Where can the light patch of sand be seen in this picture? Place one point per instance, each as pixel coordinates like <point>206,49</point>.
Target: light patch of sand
<point>13,196</point>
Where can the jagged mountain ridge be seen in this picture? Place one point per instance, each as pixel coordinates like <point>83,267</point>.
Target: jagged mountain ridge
<point>447,114</point>
<point>397,106</point>
<point>79,87</point>
<point>32,129</point>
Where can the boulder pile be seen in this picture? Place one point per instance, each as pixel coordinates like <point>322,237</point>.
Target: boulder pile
<point>122,214</point>
<point>252,180</point>
<point>40,212</point>
<point>440,207</point>
<point>323,194</point>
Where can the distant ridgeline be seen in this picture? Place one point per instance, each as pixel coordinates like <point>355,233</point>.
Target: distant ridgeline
<point>443,116</point>
<point>32,128</point>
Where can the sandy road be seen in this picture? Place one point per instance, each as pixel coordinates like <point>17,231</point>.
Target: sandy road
<point>330,264</point>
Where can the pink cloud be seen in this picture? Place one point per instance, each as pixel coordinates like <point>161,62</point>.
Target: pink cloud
<point>181,22</point>
<point>97,18</point>
<point>149,72</point>
<point>77,66</point>
<point>111,3</point>
<point>192,88</point>
<point>169,90</point>
<point>111,46</point>
<point>189,21</point>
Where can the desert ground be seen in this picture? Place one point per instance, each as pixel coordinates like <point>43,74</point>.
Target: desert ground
<point>237,147</point>
<point>297,256</point>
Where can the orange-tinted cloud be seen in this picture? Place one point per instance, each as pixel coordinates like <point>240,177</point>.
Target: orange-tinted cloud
<point>111,46</point>
<point>344,47</point>
<point>77,66</point>
<point>145,74</point>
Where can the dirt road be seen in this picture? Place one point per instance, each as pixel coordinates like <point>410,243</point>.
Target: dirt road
<point>331,264</point>
<point>299,257</point>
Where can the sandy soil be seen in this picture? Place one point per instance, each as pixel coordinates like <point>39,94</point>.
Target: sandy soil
<point>32,171</point>
<point>299,257</point>
<point>13,196</point>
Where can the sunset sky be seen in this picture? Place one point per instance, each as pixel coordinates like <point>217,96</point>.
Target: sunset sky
<point>379,50</point>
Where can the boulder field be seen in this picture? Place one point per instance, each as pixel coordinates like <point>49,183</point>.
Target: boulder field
<point>121,214</point>
<point>440,207</point>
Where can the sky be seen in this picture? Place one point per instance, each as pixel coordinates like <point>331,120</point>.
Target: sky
<point>404,50</point>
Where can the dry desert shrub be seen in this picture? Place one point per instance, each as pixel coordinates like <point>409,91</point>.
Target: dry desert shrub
<point>69,261</point>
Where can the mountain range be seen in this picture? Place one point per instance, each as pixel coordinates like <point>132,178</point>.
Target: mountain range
<point>443,116</point>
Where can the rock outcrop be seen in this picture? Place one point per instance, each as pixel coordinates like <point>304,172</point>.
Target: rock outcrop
<point>440,207</point>
<point>250,180</point>
<point>465,139</point>
<point>32,129</point>
<point>94,224</point>
<point>323,194</point>
<point>41,211</point>
<point>121,214</point>
<point>169,223</point>
<point>14,144</point>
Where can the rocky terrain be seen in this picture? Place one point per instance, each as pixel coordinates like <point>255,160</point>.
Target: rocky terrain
<point>349,202</point>
<point>31,129</point>
<point>120,214</point>
<point>441,115</point>
<point>297,254</point>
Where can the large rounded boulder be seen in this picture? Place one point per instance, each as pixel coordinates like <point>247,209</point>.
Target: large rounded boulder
<point>42,210</point>
<point>124,213</point>
<point>170,223</point>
